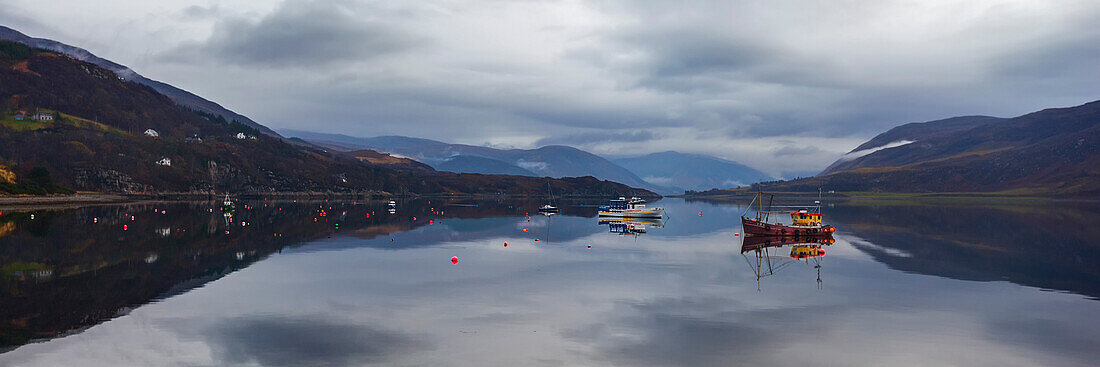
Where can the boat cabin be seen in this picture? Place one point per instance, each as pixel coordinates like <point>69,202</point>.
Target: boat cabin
<point>804,218</point>
<point>623,203</point>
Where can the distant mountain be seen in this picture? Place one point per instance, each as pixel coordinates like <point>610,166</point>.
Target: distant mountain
<point>1050,152</point>
<point>177,95</point>
<point>475,164</point>
<point>691,171</point>
<point>549,161</point>
<point>100,132</point>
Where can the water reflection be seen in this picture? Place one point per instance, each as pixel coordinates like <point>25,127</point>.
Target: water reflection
<point>326,283</point>
<point>767,253</point>
<point>631,226</point>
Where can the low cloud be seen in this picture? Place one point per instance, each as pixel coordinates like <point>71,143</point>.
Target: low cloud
<point>598,137</point>
<point>860,153</point>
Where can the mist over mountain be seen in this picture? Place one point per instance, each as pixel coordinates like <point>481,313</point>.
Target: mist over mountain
<point>691,171</point>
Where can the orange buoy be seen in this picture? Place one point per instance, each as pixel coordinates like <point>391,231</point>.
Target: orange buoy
<point>505,243</point>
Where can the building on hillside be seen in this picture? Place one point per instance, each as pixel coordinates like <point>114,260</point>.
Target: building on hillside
<point>152,133</point>
<point>21,115</point>
<point>42,116</point>
<point>167,162</point>
<point>252,137</point>
<point>193,139</point>
<point>241,136</point>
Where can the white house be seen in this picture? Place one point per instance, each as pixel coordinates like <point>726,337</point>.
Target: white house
<point>152,133</point>
<point>167,162</point>
<point>241,136</point>
<point>42,116</point>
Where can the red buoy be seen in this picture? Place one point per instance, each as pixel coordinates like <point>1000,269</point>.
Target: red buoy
<point>736,234</point>
<point>454,259</point>
<point>589,247</point>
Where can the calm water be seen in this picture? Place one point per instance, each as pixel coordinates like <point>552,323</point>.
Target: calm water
<point>903,284</point>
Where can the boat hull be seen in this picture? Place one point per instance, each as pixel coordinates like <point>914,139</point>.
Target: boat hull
<point>756,228</point>
<point>631,213</point>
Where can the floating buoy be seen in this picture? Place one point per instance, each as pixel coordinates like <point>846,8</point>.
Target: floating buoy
<point>414,219</point>
<point>700,214</point>
<point>454,259</point>
<point>431,221</point>
<point>227,232</point>
<point>525,229</point>
<point>735,234</point>
<point>391,239</point>
<point>133,218</point>
<point>505,243</point>
<point>124,227</point>
<point>95,220</point>
<point>536,240</point>
<point>589,247</point>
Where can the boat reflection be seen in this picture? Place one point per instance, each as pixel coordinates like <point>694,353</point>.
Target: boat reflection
<point>631,226</point>
<point>771,254</point>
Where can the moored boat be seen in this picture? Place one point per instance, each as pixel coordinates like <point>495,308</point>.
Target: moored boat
<point>803,222</point>
<point>630,208</point>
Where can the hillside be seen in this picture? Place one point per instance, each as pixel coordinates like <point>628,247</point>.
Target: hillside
<point>548,161</point>
<point>97,142</point>
<point>177,95</point>
<point>1050,152</point>
<point>691,171</point>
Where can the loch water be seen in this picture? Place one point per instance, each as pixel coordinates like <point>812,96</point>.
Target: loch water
<point>345,283</point>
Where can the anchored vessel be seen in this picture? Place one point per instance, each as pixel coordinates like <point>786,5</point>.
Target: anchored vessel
<point>630,208</point>
<point>804,222</point>
<point>549,208</point>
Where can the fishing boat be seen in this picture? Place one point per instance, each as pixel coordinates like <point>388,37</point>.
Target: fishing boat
<point>804,222</point>
<point>630,208</point>
<point>549,208</point>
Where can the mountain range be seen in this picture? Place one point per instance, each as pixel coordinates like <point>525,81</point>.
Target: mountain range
<point>108,133</point>
<point>666,172</point>
<point>1053,152</point>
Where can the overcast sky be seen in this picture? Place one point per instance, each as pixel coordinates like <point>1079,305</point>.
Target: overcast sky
<point>784,86</point>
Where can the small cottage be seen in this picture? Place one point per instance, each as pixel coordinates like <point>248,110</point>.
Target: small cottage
<point>167,162</point>
<point>152,133</point>
<point>193,139</point>
<point>21,115</point>
<point>241,136</point>
<point>42,116</point>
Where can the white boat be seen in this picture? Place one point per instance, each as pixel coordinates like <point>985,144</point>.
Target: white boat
<point>630,208</point>
<point>549,208</point>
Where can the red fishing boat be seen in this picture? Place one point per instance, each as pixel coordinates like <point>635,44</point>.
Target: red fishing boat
<point>804,222</point>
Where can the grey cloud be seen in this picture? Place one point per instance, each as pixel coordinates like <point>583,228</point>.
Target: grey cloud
<point>599,137</point>
<point>196,12</point>
<point>301,33</point>
<point>304,341</point>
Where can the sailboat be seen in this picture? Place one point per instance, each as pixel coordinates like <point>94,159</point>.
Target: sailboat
<point>549,208</point>
<point>227,205</point>
<point>804,222</point>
